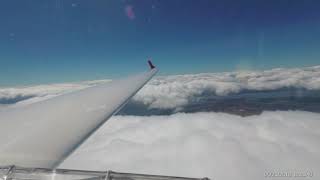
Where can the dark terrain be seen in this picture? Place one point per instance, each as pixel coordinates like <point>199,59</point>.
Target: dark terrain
<point>243,104</point>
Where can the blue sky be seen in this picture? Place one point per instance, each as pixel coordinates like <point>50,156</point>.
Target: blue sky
<point>46,41</point>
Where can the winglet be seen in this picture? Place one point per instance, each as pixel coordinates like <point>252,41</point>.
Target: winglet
<point>150,64</point>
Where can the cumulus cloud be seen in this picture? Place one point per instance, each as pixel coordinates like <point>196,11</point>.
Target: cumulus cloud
<point>30,94</point>
<point>165,92</point>
<point>177,91</point>
<point>216,145</point>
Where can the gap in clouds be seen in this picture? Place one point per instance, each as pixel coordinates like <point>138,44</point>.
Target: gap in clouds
<point>242,93</point>
<point>245,103</point>
<point>15,99</point>
<point>191,131</point>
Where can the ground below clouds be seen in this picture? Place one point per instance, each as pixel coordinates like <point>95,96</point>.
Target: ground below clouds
<point>183,125</point>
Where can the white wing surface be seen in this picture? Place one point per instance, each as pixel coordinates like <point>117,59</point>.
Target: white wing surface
<point>43,134</point>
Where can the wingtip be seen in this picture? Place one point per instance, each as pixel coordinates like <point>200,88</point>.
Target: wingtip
<point>150,64</point>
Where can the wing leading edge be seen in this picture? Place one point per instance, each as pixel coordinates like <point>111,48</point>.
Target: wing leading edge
<point>45,133</point>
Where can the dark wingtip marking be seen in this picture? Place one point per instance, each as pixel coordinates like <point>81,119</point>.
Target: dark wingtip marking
<point>151,65</point>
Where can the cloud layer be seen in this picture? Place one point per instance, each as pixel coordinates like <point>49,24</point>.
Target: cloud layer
<point>30,94</point>
<point>167,92</point>
<point>177,91</point>
<point>216,145</point>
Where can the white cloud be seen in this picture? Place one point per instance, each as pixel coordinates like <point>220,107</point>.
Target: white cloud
<point>216,145</point>
<point>31,94</point>
<point>177,91</point>
<point>166,92</point>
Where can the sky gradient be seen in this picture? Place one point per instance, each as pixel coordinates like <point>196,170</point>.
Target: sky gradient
<point>47,41</point>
